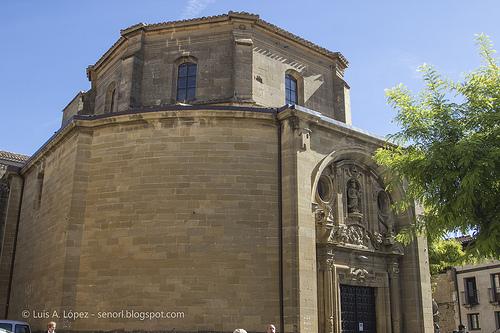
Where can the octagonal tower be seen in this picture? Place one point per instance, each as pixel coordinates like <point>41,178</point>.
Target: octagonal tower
<point>211,176</point>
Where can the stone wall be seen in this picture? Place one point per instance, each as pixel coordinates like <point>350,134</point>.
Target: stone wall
<point>166,212</point>
<point>41,252</point>
<point>445,296</point>
<point>73,108</point>
<point>239,61</point>
<point>273,57</point>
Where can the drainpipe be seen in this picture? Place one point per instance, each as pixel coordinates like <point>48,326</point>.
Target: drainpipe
<point>453,269</point>
<point>280,228</point>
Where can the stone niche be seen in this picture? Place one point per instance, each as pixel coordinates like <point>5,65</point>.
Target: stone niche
<point>355,245</point>
<point>352,208</point>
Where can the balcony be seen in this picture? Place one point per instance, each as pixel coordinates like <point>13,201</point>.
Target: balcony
<point>494,295</point>
<point>469,299</point>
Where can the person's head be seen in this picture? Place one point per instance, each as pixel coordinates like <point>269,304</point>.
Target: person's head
<point>239,330</point>
<point>271,328</point>
<point>51,326</point>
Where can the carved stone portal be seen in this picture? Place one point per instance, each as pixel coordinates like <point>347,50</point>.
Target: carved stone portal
<point>352,208</point>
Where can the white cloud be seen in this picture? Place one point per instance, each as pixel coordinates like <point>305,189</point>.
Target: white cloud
<point>195,7</point>
<point>411,62</point>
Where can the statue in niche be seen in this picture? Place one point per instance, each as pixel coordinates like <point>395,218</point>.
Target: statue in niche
<point>353,197</point>
<point>384,213</point>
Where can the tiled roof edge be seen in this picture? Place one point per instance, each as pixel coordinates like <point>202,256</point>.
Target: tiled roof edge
<point>217,18</point>
<point>7,155</point>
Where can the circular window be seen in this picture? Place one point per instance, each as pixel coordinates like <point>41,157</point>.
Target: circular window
<point>324,189</point>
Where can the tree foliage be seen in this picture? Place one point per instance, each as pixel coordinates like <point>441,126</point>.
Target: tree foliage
<point>447,152</point>
<point>444,254</point>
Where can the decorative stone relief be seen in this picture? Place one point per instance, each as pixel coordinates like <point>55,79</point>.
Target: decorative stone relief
<point>396,248</point>
<point>360,274</point>
<point>324,221</point>
<point>3,168</point>
<point>325,260</point>
<point>393,268</point>
<point>323,209</point>
<point>355,235</point>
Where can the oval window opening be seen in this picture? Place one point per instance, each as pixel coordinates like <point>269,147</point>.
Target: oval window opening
<point>324,189</point>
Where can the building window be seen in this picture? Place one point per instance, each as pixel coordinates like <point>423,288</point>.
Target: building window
<point>110,98</point>
<point>291,96</point>
<point>471,294</point>
<point>186,82</point>
<point>495,288</point>
<point>473,319</point>
<point>497,319</point>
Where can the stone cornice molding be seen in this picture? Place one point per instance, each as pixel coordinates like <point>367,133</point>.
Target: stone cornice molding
<point>179,111</point>
<point>92,121</point>
<point>321,120</point>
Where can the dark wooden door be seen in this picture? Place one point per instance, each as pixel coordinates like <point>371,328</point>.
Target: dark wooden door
<point>358,309</point>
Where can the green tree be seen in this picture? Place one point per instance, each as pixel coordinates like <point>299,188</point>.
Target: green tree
<point>447,153</point>
<point>446,253</point>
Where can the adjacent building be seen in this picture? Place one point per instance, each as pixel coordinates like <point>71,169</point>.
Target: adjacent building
<point>211,173</point>
<point>470,295</point>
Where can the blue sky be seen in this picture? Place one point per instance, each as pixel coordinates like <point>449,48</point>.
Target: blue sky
<point>46,46</point>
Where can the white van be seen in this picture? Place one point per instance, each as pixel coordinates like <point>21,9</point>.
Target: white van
<point>14,326</point>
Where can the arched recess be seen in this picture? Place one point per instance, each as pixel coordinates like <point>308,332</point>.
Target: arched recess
<point>110,102</point>
<point>355,154</point>
<point>348,191</point>
<point>300,84</point>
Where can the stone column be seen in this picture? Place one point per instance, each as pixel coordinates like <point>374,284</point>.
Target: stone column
<point>130,86</point>
<point>326,297</point>
<point>328,294</point>
<point>337,324</point>
<point>394,288</point>
<point>299,239</point>
<point>342,102</point>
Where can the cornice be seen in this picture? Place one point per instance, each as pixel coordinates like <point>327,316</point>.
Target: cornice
<point>321,120</point>
<point>180,111</point>
<point>146,114</point>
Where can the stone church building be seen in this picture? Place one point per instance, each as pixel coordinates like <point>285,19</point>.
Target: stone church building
<point>211,172</point>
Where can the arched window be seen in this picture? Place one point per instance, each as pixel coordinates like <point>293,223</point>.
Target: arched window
<point>110,98</point>
<point>291,94</point>
<point>186,82</point>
